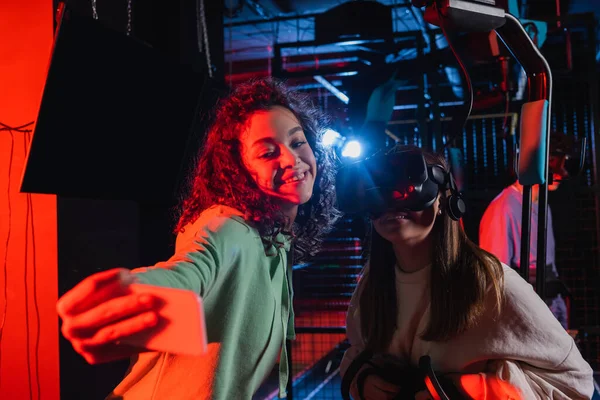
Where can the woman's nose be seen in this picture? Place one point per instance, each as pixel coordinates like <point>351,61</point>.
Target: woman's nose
<point>289,158</point>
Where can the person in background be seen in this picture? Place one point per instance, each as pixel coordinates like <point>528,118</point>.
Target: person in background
<point>261,192</point>
<point>500,227</point>
<point>428,290</point>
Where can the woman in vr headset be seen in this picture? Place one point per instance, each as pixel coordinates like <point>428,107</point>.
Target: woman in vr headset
<point>428,290</point>
<point>263,183</point>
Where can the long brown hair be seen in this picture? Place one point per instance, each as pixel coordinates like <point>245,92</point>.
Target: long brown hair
<point>461,275</point>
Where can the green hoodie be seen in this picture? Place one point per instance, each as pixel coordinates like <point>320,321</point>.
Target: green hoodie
<point>247,295</point>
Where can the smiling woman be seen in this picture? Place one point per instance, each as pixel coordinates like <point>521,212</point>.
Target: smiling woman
<point>278,157</point>
<point>229,171</point>
<point>262,191</point>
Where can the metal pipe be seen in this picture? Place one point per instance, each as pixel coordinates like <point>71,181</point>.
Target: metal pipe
<point>525,233</point>
<point>539,75</point>
<point>592,79</point>
<point>540,272</point>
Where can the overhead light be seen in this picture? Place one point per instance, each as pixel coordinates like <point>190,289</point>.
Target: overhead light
<point>441,104</point>
<point>330,137</point>
<point>358,41</point>
<point>349,73</point>
<point>336,92</point>
<point>352,149</point>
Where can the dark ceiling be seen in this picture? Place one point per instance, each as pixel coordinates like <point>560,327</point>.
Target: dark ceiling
<point>253,28</point>
<point>256,25</point>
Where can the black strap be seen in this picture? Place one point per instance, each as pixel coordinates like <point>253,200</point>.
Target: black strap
<point>352,370</point>
<point>361,378</point>
<point>450,388</point>
<point>427,369</point>
<point>445,388</point>
<point>412,378</point>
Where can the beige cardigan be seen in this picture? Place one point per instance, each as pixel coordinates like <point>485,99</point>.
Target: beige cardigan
<point>525,346</point>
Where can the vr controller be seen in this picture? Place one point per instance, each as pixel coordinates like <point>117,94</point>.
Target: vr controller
<point>396,180</point>
<point>410,379</point>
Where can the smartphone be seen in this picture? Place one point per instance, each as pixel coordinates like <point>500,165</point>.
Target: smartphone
<point>181,327</point>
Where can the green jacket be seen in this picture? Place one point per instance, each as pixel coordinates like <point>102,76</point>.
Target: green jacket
<point>247,295</point>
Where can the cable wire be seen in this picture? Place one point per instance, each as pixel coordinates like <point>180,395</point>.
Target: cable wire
<point>458,128</point>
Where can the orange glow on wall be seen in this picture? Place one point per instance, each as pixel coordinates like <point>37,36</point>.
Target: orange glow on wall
<point>28,233</point>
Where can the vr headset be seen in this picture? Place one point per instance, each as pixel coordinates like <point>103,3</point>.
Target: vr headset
<point>400,179</point>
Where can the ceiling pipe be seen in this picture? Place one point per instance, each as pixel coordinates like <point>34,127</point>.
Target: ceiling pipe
<point>291,17</point>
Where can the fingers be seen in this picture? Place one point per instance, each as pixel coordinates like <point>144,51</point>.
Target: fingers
<point>94,290</point>
<point>87,324</point>
<point>383,385</point>
<point>375,388</point>
<point>119,330</point>
<point>100,311</point>
<point>423,395</point>
<point>104,345</point>
<point>110,352</point>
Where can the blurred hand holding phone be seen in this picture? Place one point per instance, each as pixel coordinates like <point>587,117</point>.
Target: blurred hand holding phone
<point>181,326</point>
<point>110,316</point>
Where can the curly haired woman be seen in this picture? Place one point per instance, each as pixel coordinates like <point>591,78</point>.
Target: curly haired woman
<point>262,192</point>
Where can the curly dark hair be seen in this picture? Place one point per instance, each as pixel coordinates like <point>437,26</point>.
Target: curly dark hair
<point>221,178</point>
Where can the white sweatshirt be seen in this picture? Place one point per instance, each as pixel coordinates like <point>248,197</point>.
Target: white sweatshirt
<point>525,346</point>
